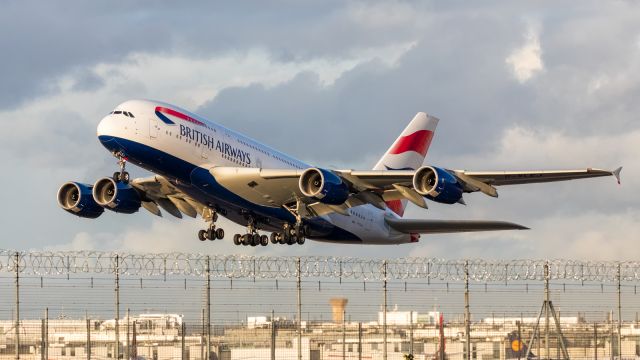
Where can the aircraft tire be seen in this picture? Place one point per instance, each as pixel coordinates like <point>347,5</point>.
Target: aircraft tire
<point>274,238</point>
<point>202,235</point>
<point>219,234</point>
<point>245,239</point>
<point>264,240</point>
<point>301,240</point>
<point>211,234</point>
<point>236,239</point>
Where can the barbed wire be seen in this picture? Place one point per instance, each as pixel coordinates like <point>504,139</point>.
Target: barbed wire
<point>274,267</point>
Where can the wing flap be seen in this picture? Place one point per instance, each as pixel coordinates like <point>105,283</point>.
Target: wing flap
<point>415,226</point>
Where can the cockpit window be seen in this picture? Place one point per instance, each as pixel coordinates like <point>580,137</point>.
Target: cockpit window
<point>117,112</point>
<point>130,114</point>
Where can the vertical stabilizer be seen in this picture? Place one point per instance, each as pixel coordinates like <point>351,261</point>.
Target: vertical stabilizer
<point>408,151</point>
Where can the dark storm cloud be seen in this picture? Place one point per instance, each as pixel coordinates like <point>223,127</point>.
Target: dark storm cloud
<point>366,108</point>
<point>41,41</point>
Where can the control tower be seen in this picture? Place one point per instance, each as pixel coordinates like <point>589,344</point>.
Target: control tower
<point>337,308</point>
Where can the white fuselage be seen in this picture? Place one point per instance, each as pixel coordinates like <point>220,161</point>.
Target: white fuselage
<point>168,138</point>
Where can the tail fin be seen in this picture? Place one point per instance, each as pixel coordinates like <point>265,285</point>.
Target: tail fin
<point>408,151</point>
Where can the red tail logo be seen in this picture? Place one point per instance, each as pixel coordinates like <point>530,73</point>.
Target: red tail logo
<point>419,142</point>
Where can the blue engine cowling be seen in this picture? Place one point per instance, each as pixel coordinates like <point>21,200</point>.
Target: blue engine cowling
<point>116,196</point>
<point>324,186</point>
<point>77,199</point>
<point>437,184</point>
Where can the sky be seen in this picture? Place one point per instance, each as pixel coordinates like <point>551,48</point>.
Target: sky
<point>517,85</point>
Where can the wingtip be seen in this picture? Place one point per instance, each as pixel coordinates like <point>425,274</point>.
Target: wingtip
<point>616,173</point>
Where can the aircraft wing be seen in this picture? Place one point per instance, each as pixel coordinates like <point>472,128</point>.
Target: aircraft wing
<point>279,187</point>
<point>158,193</point>
<point>414,226</point>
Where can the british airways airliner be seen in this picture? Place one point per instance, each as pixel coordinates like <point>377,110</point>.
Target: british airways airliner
<point>203,168</point>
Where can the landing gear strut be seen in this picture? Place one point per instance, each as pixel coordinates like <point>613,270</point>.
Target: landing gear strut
<point>212,232</point>
<point>121,176</point>
<point>290,235</point>
<point>251,237</point>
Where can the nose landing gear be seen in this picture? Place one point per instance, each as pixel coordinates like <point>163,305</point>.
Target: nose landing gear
<point>121,176</point>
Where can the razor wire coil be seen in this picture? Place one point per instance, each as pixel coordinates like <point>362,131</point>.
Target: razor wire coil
<point>279,267</point>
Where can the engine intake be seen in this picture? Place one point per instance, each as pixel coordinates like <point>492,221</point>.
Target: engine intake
<point>116,196</point>
<point>76,199</point>
<point>437,184</point>
<point>324,186</point>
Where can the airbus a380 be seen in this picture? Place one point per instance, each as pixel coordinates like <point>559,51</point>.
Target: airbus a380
<point>203,168</point>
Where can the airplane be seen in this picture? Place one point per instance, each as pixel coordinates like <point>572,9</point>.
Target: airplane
<point>202,168</point>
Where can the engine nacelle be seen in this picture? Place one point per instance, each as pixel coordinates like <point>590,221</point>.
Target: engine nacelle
<point>437,184</point>
<point>76,198</point>
<point>324,186</point>
<point>116,196</point>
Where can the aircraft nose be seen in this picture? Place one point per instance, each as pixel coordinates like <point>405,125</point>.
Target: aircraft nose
<point>103,126</point>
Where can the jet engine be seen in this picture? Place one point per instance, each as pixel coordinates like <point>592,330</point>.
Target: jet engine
<point>437,184</point>
<point>324,186</point>
<point>116,196</point>
<point>76,198</point>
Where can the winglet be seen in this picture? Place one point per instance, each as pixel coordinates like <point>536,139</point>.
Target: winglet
<point>616,173</point>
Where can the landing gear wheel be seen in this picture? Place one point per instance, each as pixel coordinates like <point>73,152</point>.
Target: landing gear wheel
<point>301,240</point>
<point>264,240</point>
<point>245,239</point>
<point>219,234</point>
<point>211,234</point>
<point>255,239</point>
<point>236,239</point>
<point>293,239</point>
<point>274,238</point>
<point>116,176</point>
<point>124,177</point>
<point>202,235</point>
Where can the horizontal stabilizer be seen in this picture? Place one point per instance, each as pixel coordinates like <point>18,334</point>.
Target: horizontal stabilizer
<point>415,226</point>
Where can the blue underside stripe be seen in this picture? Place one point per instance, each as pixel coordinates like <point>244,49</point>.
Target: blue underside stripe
<point>175,168</point>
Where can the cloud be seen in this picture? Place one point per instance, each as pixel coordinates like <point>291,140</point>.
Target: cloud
<point>526,61</point>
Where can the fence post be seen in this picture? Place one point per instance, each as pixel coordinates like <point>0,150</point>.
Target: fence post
<point>183,345</point>
<point>88,347</point>
<point>595,340</point>
<point>202,336</point>
<point>619,278</point>
<point>299,305</point>
<point>117,289</point>
<point>128,350</point>
<point>46,333</point>
<point>42,340</point>
<point>384,310</point>
<point>208,271</point>
<point>344,335</point>
<point>17,323</point>
<point>467,314</point>
<point>546,309</point>
<point>273,336</point>
<point>359,341</point>
<point>411,332</point>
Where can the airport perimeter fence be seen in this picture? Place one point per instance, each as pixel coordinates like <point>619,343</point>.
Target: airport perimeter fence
<point>98,305</point>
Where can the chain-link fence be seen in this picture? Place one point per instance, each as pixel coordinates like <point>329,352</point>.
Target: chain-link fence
<point>95,305</point>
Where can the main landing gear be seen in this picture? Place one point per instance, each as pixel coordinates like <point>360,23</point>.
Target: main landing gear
<point>251,237</point>
<point>290,235</point>
<point>211,233</point>
<point>121,176</point>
